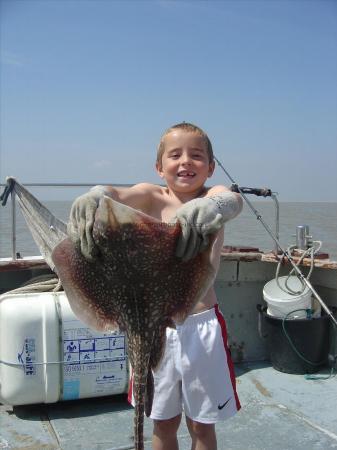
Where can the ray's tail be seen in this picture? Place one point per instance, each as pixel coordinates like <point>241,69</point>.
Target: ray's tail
<point>139,390</point>
<point>142,385</point>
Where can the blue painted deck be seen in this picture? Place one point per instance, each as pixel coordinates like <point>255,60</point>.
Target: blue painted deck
<point>279,411</point>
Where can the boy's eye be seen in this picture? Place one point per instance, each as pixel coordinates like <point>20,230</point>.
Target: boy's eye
<point>198,156</point>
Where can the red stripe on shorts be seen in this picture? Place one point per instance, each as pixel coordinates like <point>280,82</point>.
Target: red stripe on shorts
<point>229,359</point>
<point>130,388</point>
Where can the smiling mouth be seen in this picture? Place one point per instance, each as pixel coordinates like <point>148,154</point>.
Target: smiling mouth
<point>186,174</point>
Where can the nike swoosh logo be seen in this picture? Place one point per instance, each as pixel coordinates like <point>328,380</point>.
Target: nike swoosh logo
<point>222,406</point>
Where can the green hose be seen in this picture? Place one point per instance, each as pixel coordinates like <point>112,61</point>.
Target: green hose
<point>308,377</point>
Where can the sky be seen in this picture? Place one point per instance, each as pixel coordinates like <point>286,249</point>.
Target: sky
<point>88,88</point>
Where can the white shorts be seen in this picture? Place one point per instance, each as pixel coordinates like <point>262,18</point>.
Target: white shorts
<point>196,374</point>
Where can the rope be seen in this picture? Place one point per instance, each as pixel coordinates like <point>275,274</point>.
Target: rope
<point>74,361</point>
<point>52,285</point>
<point>312,251</point>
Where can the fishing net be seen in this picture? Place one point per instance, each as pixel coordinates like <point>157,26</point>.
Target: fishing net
<point>47,230</point>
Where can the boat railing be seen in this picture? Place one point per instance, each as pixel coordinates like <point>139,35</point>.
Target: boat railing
<point>15,256</point>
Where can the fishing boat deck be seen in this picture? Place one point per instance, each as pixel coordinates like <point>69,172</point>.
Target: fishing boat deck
<point>279,411</point>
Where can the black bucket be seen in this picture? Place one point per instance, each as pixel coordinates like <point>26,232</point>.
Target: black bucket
<point>310,337</point>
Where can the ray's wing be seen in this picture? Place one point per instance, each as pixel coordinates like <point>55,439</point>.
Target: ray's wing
<point>84,287</point>
<point>137,268</point>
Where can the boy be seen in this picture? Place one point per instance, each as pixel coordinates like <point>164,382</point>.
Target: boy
<point>196,373</point>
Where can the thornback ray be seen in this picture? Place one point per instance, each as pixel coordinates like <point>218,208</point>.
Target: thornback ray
<point>136,284</point>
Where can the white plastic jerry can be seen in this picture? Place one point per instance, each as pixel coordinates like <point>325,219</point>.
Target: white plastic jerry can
<point>47,354</point>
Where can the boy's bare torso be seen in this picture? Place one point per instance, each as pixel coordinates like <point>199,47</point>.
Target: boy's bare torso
<point>160,203</point>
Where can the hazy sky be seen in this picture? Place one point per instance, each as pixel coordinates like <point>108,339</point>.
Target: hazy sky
<point>88,87</point>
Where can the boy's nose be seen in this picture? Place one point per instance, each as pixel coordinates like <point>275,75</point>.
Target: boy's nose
<point>185,159</point>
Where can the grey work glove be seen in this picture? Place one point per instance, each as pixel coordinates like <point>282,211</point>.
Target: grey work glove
<point>81,221</point>
<point>202,217</point>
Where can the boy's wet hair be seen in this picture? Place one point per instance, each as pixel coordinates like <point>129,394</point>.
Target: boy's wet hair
<point>189,127</point>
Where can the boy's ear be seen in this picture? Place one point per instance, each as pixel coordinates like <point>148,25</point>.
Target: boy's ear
<point>211,169</point>
<point>159,169</point>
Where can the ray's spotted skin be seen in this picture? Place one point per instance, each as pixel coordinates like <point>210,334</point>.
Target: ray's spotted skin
<point>136,284</point>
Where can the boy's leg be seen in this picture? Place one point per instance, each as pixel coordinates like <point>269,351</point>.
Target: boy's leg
<point>165,434</point>
<point>202,434</point>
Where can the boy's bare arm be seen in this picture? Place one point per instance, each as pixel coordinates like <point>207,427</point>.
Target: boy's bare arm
<point>213,191</point>
<point>139,196</point>
<point>216,189</point>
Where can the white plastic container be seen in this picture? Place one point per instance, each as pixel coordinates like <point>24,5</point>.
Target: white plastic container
<point>281,303</point>
<point>47,354</point>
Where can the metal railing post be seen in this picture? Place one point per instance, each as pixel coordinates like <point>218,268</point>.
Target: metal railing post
<point>13,226</point>
<point>277,220</point>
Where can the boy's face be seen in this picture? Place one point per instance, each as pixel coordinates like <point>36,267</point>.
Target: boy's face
<point>185,163</point>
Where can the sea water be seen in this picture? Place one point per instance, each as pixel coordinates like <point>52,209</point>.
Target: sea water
<point>245,230</point>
